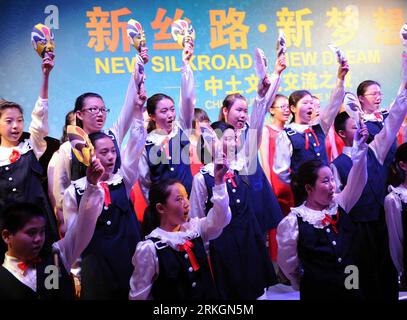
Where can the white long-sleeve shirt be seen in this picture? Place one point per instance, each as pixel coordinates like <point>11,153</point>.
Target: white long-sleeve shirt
<point>287,230</point>
<point>186,115</point>
<point>38,131</point>
<point>145,259</point>
<point>393,211</point>
<point>127,173</point>
<point>61,172</point>
<point>383,141</point>
<point>284,148</point>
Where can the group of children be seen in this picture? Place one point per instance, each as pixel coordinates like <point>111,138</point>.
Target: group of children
<point>205,229</point>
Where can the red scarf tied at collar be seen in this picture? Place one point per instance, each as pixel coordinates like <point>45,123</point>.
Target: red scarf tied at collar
<point>328,220</point>
<point>306,131</point>
<point>230,175</point>
<point>14,156</point>
<point>107,199</point>
<point>24,266</point>
<point>187,246</point>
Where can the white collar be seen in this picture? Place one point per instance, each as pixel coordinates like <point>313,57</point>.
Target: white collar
<point>372,116</point>
<point>299,127</point>
<point>189,230</point>
<point>114,179</point>
<point>236,165</point>
<point>274,127</point>
<point>11,264</point>
<point>156,138</point>
<point>23,147</point>
<point>314,217</point>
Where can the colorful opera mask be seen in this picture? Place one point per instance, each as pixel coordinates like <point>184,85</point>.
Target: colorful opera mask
<point>81,146</point>
<point>136,34</point>
<point>42,39</point>
<point>281,43</point>
<point>182,32</point>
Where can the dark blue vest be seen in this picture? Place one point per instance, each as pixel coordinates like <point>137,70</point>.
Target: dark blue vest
<point>370,205</point>
<point>13,289</point>
<point>300,154</point>
<point>240,244</point>
<point>78,169</point>
<point>266,207</point>
<point>175,167</point>
<point>177,280</point>
<point>106,265</point>
<point>21,182</point>
<point>324,255</point>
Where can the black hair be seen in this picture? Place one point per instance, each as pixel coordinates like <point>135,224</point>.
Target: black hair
<point>16,215</point>
<point>307,174</point>
<point>67,123</point>
<point>199,116</point>
<point>80,101</point>
<point>340,121</point>
<point>204,154</point>
<point>278,96</point>
<point>228,102</point>
<point>93,137</point>
<point>294,98</point>
<point>4,104</point>
<point>360,91</point>
<point>159,193</point>
<point>396,174</point>
<point>152,106</point>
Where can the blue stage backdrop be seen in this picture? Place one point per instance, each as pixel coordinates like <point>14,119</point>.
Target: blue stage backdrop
<point>94,54</point>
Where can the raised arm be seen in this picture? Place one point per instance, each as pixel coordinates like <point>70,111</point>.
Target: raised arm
<point>39,116</point>
<point>132,152</point>
<point>328,114</point>
<point>187,92</point>
<point>384,139</point>
<point>358,174</point>
<point>268,88</point>
<point>131,108</point>
<point>264,153</point>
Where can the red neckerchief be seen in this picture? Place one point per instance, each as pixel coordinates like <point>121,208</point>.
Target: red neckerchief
<point>379,116</point>
<point>14,156</point>
<point>309,130</point>
<point>328,220</point>
<point>24,266</point>
<point>107,199</point>
<point>187,246</point>
<point>166,146</point>
<point>230,175</point>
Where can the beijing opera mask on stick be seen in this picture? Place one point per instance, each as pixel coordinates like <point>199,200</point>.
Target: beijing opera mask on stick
<point>137,38</point>
<point>42,39</point>
<point>281,44</point>
<point>136,34</point>
<point>182,32</point>
<point>81,146</point>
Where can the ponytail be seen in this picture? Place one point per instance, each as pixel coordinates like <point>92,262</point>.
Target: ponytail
<point>151,221</point>
<point>159,193</point>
